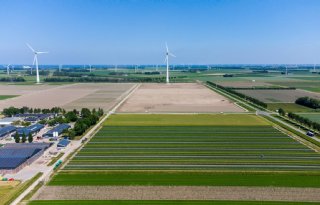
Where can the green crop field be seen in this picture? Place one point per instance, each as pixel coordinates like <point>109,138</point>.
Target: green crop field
<point>315,117</point>
<point>165,202</point>
<point>289,107</point>
<point>186,178</point>
<point>158,154</point>
<point>3,97</point>
<point>185,120</point>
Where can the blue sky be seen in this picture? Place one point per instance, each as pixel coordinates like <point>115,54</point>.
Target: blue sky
<point>135,31</point>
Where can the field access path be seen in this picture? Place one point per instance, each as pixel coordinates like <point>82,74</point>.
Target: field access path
<point>76,145</point>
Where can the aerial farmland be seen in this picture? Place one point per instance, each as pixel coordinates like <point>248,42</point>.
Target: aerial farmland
<point>127,102</point>
<point>187,152</point>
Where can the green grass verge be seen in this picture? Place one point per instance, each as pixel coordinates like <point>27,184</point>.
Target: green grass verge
<point>165,202</point>
<point>185,120</point>
<point>174,178</point>
<point>315,117</point>
<point>3,97</point>
<point>19,190</point>
<point>55,159</point>
<point>289,107</point>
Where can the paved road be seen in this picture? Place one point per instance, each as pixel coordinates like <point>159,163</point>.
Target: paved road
<point>73,147</point>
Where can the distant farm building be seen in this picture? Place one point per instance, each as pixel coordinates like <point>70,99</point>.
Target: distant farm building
<point>63,143</point>
<point>29,117</point>
<point>58,129</point>
<point>8,121</point>
<point>7,131</point>
<point>33,129</point>
<point>13,157</point>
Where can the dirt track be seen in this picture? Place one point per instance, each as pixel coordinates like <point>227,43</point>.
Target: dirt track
<point>177,193</point>
<point>177,98</point>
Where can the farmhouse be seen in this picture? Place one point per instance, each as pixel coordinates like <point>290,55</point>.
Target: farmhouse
<point>58,129</point>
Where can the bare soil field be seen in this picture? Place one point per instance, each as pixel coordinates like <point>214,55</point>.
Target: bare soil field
<point>177,98</point>
<point>74,96</point>
<point>177,193</point>
<point>283,96</point>
<point>244,84</point>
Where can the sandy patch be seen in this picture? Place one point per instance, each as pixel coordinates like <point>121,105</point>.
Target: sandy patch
<point>74,96</point>
<point>177,193</point>
<point>179,98</point>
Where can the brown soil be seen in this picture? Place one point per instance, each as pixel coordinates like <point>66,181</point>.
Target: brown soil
<point>179,98</point>
<point>177,193</point>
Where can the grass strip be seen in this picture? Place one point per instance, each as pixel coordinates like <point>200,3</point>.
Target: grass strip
<point>186,178</point>
<point>21,189</point>
<point>55,159</point>
<point>165,202</point>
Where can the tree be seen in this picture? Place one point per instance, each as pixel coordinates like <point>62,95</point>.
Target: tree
<point>282,112</point>
<point>85,112</point>
<point>17,137</point>
<point>71,116</point>
<point>30,138</point>
<point>24,138</point>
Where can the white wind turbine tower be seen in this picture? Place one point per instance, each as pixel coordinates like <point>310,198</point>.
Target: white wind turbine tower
<point>35,60</point>
<point>167,61</point>
<point>8,69</point>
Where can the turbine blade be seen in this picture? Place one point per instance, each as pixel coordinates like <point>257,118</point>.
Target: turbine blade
<point>30,48</point>
<point>166,59</point>
<point>172,55</point>
<point>41,52</point>
<point>34,60</point>
<point>167,47</point>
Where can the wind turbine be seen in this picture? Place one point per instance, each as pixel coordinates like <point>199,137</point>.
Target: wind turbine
<point>167,61</point>
<point>35,61</point>
<point>8,69</point>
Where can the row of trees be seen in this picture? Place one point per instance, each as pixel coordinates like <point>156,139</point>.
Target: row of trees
<point>308,102</point>
<point>304,121</point>
<point>23,138</point>
<point>70,74</point>
<point>8,112</point>
<point>108,79</point>
<point>12,79</point>
<point>264,88</point>
<point>243,96</point>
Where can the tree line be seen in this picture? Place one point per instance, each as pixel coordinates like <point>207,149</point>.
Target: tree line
<point>308,102</point>
<point>303,120</point>
<point>11,111</point>
<point>107,79</point>
<point>12,79</point>
<point>243,96</point>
